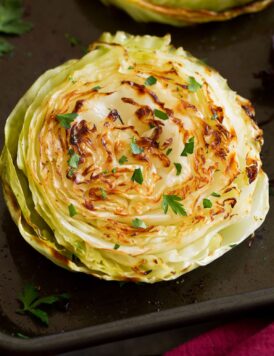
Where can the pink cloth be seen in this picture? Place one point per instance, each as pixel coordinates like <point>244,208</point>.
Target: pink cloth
<point>245,338</point>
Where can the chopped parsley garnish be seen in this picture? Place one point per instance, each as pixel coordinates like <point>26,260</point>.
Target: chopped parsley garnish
<point>114,170</point>
<point>137,176</point>
<point>193,85</point>
<point>136,150</point>
<point>214,116</point>
<point>189,147</point>
<point>96,88</point>
<point>22,336</point>
<point>130,67</point>
<point>160,114</point>
<point>173,201</point>
<point>71,172</point>
<point>138,223</point>
<point>168,152</point>
<point>74,159</point>
<point>103,193</point>
<point>105,171</point>
<point>150,81</point>
<point>116,246</point>
<point>66,119</point>
<point>73,41</point>
<point>30,301</point>
<point>11,23</point>
<point>216,195</point>
<point>123,159</point>
<point>152,126</point>
<point>5,47</point>
<point>178,167</point>
<point>207,203</point>
<point>11,18</point>
<point>72,210</point>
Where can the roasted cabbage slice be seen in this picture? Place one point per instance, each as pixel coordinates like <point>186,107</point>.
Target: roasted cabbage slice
<point>134,163</point>
<point>187,12</point>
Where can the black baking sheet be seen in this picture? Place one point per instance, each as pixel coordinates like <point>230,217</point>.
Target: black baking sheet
<point>102,311</point>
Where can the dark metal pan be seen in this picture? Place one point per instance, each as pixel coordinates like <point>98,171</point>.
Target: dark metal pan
<point>103,311</point>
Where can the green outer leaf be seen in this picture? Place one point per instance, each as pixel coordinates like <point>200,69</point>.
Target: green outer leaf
<point>137,176</point>
<point>11,22</point>
<point>161,114</point>
<point>193,85</point>
<point>138,223</point>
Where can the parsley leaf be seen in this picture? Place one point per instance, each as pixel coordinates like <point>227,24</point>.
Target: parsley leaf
<point>172,201</point>
<point>66,119</point>
<point>123,159</point>
<point>30,301</point>
<point>130,67</point>
<point>114,170</point>
<point>11,12</point>
<point>150,81</point>
<point>5,47</point>
<point>137,176</point>
<point>103,193</point>
<point>73,41</point>
<point>72,210</point>
<point>136,150</point>
<point>161,114</point>
<point>138,223</point>
<point>178,167</point>
<point>73,162</point>
<point>207,203</point>
<point>116,246</point>
<point>216,195</point>
<point>193,85</point>
<point>214,116</point>
<point>189,147</point>
<point>96,88</point>
<point>22,336</point>
<point>168,152</point>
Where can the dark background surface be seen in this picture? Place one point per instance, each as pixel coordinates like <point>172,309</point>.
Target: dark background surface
<point>238,49</point>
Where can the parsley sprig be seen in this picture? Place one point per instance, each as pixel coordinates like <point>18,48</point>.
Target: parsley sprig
<point>11,22</point>
<point>137,176</point>
<point>66,119</point>
<point>189,147</point>
<point>135,149</point>
<point>30,302</point>
<point>173,201</point>
<point>193,85</point>
<point>138,223</point>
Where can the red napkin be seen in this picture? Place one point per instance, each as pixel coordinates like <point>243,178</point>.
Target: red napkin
<point>245,338</point>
